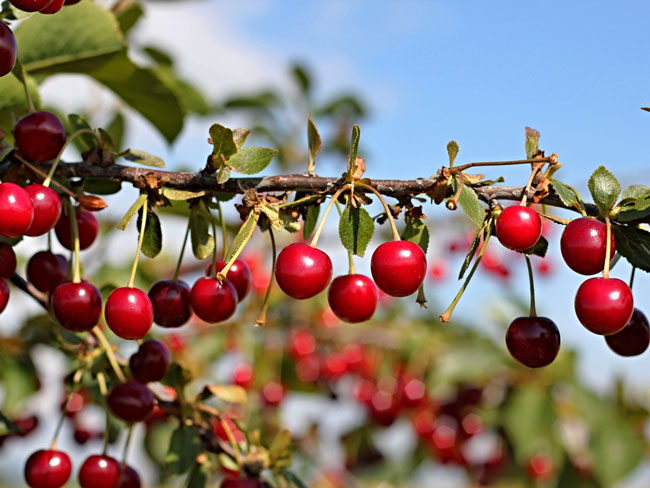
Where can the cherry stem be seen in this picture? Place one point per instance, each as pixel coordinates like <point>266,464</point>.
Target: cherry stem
<point>49,240</point>
<point>321,224</point>
<point>391,220</point>
<point>28,96</point>
<point>214,252</point>
<point>74,230</point>
<point>461,184</point>
<point>261,318</point>
<point>129,435</point>
<point>533,310</point>
<point>143,226</point>
<point>59,424</point>
<point>608,247</point>
<point>106,432</point>
<point>224,230</point>
<point>536,168</point>
<point>44,176</point>
<point>632,276</point>
<point>74,135</point>
<point>504,163</point>
<point>232,440</point>
<point>110,355</point>
<point>180,257</point>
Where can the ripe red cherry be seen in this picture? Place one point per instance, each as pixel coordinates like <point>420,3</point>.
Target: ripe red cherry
<point>7,260</point>
<point>30,5</point>
<point>16,210</point>
<point>8,50</point>
<point>413,392</point>
<point>243,375</point>
<point>212,300</point>
<point>39,136</point>
<point>303,271</point>
<point>129,313</point>
<point>77,306</point>
<point>584,244</point>
<point>398,268</point>
<point>353,298</point>
<point>53,7</point>
<point>384,407</point>
<point>518,228</point>
<point>533,341</point>
<point>46,270</point>
<point>47,209</point>
<point>633,339</point>
<point>302,343</point>
<point>273,393</point>
<point>239,275</point>
<point>99,472</point>
<point>242,483</point>
<point>130,401</point>
<point>604,305</point>
<point>171,303</point>
<point>151,362</point>
<point>335,365</point>
<point>47,469</point>
<point>129,478</point>
<point>87,225</point>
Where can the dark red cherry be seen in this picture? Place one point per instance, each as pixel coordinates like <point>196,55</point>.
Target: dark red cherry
<point>604,305</point>
<point>239,275</point>
<point>48,469</point>
<point>151,362</point>
<point>213,301</point>
<point>398,268</point>
<point>53,7</point>
<point>518,228</point>
<point>16,210</point>
<point>26,425</point>
<point>46,270</point>
<point>584,244</point>
<point>129,478</point>
<point>633,339</point>
<point>47,209</point>
<point>77,306</point>
<point>130,401</point>
<point>7,260</point>
<point>39,136</point>
<point>384,407</point>
<point>171,303</point>
<point>303,271</point>
<point>87,225</point>
<point>353,298</point>
<point>129,313</point>
<point>533,341</point>
<point>30,5</point>
<point>273,393</point>
<point>8,50</point>
<point>241,483</point>
<point>99,472</point>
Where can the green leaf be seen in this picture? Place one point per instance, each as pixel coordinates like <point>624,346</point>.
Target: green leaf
<point>354,148</point>
<point>198,477</point>
<point>128,14</point>
<point>313,139</point>
<point>532,142</point>
<point>634,245</point>
<point>142,157</point>
<point>616,450</point>
<point>184,447</point>
<point>223,174</point>
<point>158,55</point>
<point>293,479</point>
<point>223,141</point>
<point>635,191</point>
<point>251,160</point>
<point>18,379</point>
<point>7,426</point>
<point>226,393</point>
<point>635,207</point>
<point>180,195</point>
<point>302,78</point>
<point>272,212</point>
<point>135,208</point>
<point>78,122</point>
<point>116,129</point>
<point>416,231</point>
<point>471,205</point>
<point>539,249</point>
<point>356,228</point>
<point>202,240</point>
<point>152,242</point>
<point>243,236</point>
<point>452,150</point>
<point>567,197</point>
<point>240,135</point>
<point>12,96</point>
<point>605,189</point>
<point>101,186</point>
<point>311,219</point>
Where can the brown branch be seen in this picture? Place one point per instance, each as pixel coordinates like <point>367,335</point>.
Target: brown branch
<point>21,284</point>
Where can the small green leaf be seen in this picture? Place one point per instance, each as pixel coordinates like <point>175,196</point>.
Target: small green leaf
<point>471,205</point>
<point>240,136</point>
<point>280,445</point>
<point>538,249</point>
<point>289,221</point>
<point>226,393</point>
<point>7,426</point>
<point>635,191</point>
<point>252,160</point>
<point>142,157</point>
<point>180,195</point>
<point>198,477</point>
<point>311,219</point>
<point>116,129</point>
<point>244,235</point>
<point>223,175</point>
<point>184,447</point>
<point>302,78</point>
<point>616,449</point>
<point>313,139</point>
<point>416,231</point>
<point>532,142</point>
<point>354,147</point>
<point>106,138</point>
<point>78,122</point>
<point>223,141</point>
<point>128,14</point>
<point>452,150</point>
<point>605,189</point>
<point>132,211</point>
<point>634,245</point>
<point>152,242</point>
<point>202,240</point>
<point>101,186</point>
<point>356,228</point>
<point>567,197</point>
<point>293,479</point>
<point>273,214</point>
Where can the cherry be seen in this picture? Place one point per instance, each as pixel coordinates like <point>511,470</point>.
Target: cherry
<point>518,228</point>
<point>302,343</point>
<point>171,303</point>
<point>26,425</point>
<point>130,401</point>
<point>77,306</point>
<point>302,271</point>
<point>129,478</point>
<point>239,275</point>
<point>243,375</point>
<point>384,407</point>
<point>46,270</point>
<point>353,298</point>
<point>151,362</point>
<point>4,294</point>
<point>541,467</point>
<point>87,225</point>
<point>16,210</point>
<point>30,5</point>
<point>445,442</point>
<point>53,7</point>
<point>533,341</point>
<point>604,305</point>
<point>584,244</point>
<point>39,136</point>
<point>308,368</point>
<point>219,430</point>
<point>47,469</point>
<point>398,268</point>
<point>99,472</point>
<point>8,50</point>
<point>47,209</point>
<point>423,421</point>
<point>212,300</point>
<point>242,483</point>
<point>7,260</point>
<point>633,339</point>
<point>129,313</point>
<point>335,365</point>
<point>413,392</point>
<point>273,393</point>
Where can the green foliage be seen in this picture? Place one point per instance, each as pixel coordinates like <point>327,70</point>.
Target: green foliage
<point>356,228</point>
<point>152,241</point>
<point>416,231</point>
<point>311,219</point>
<point>313,140</point>
<point>633,244</point>
<point>139,156</point>
<point>184,447</point>
<point>471,205</point>
<point>452,150</point>
<point>605,189</point>
<point>252,160</point>
<point>202,241</point>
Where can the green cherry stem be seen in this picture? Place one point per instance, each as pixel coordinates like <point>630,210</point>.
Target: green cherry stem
<point>143,226</point>
<point>391,220</point>
<point>321,224</point>
<point>129,435</point>
<point>110,355</point>
<point>224,230</point>
<point>261,318</point>
<point>608,248</point>
<point>59,424</point>
<point>56,161</point>
<point>180,256</point>
<point>214,252</point>
<point>533,310</point>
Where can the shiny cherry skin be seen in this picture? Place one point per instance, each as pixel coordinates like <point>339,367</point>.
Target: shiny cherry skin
<point>47,209</point>
<point>303,271</point>
<point>242,483</point>
<point>8,50</point>
<point>129,478</point>
<point>212,300</point>
<point>151,362</point>
<point>130,401</point>
<point>604,305</point>
<point>633,339</point>
<point>533,341</point>
<point>48,469</point>
<point>39,136</point>
<point>30,5</point>
<point>584,244</point>
<point>239,275</point>
<point>87,225</point>
<point>16,210</point>
<point>77,306</point>
<point>7,260</point>
<point>53,7</point>
<point>46,270</point>
<point>99,472</point>
<point>171,303</point>
<point>518,228</point>
<point>129,313</point>
<point>398,268</point>
<point>353,298</point>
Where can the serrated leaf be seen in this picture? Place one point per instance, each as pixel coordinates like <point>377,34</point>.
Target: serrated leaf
<point>180,195</point>
<point>226,393</point>
<point>605,189</point>
<point>202,240</point>
<point>101,186</point>
<point>416,231</point>
<point>152,241</point>
<point>252,160</point>
<point>567,197</point>
<point>634,208</point>
<point>311,219</point>
<point>452,150</point>
<point>243,236</point>
<point>135,208</point>
<point>142,157</point>
<point>471,205</point>
<point>223,141</point>
<point>184,447</point>
<point>634,245</point>
<point>79,122</point>
<point>313,139</point>
<point>356,228</point>
<point>635,191</point>
<point>240,135</point>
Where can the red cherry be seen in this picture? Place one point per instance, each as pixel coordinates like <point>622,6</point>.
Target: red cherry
<point>303,271</point>
<point>129,313</point>
<point>353,298</point>
<point>239,275</point>
<point>533,341</point>
<point>39,136</point>
<point>8,50</point>
<point>30,5</point>
<point>53,7</point>
<point>99,472</point>
<point>129,478</point>
<point>398,268</point>
<point>243,375</point>
<point>445,442</point>
<point>541,467</point>
<point>273,393</point>
<point>384,407</point>
<point>77,306</point>
<point>151,362</point>
<point>633,339</point>
<point>87,225</point>
<point>46,270</point>
<point>7,260</point>
<point>302,343</point>
<point>4,294</point>
<point>26,425</point>
<point>364,390</point>
<point>242,483</point>
<point>171,303</point>
<point>335,365</point>
<point>76,402</point>
<point>604,305</point>
<point>47,209</point>
<point>219,430</point>
<point>413,392</point>
<point>584,244</point>
<point>308,368</point>
<point>16,210</point>
<point>212,300</point>
<point>518,228</point>
<point>47,469</point>
<point>130,401</point>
